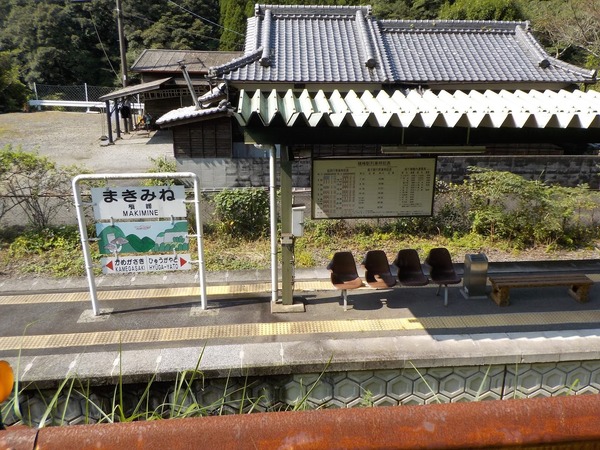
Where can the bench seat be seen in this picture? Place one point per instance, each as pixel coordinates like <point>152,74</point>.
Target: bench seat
<point>579,285</point>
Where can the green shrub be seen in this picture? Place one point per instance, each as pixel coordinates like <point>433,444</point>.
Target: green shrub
<point>51,251</point>
<point>161,165</point>
<point>528,212</point>
<point>243,213</point>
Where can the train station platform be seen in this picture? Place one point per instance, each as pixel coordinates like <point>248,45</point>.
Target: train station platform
<point>153,325</point>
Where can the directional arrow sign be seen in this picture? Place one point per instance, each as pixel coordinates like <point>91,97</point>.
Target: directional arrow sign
<point>146,263</point>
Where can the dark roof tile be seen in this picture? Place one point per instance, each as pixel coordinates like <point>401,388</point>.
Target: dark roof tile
<point>344,44</point>
<point>158,60</point>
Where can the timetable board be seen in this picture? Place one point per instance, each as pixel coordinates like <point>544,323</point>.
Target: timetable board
<point>376,187</point>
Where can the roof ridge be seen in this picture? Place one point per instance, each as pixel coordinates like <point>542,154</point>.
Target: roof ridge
<point>365,36</point>
<point>458,25</point>
<point>307,10</point>
<point>380,49</point>
<point>237,63</point>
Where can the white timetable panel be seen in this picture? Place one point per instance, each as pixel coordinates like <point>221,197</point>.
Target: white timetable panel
<point>379,187</point>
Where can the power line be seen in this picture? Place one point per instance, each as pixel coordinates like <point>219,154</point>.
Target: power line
<point>102,44</point>
<point>154,21</point>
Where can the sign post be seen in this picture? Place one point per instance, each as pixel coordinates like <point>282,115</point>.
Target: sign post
<point>153,202</point>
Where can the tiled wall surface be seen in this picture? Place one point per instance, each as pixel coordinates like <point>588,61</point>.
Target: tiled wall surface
<point>413,386</point>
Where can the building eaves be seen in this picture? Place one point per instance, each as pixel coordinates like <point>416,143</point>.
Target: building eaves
<point>545,60</point>
<point>422,108</point>
<point>135,89</point>
<point>190,114</point>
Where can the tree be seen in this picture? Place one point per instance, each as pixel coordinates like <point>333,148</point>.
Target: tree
<point>49,43</point>
<point>184,25</point>
<point>568,28</point>
<point>62,42</point>
<point>233,20</point>
<point>13,93</point>
<point>34,184</point>
<point>481,10</point>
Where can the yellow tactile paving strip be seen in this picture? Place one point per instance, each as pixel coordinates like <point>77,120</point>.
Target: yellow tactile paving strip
<point>290,328</point>
<point>21,299</point>
<point>260,329</point>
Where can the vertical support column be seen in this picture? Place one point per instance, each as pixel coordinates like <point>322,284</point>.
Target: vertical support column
<point>85,244</point>
<point>199,235</point>
<point>117,119</point>
<point>87,99</point>
<point>273,223</point>
<point>287,250</point>
<point>110,137</point>
<point>36,95</point>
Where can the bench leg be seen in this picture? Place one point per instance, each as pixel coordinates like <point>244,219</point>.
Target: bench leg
<point>345,297</point>
<point>580,292</point>
<point>500,295</point>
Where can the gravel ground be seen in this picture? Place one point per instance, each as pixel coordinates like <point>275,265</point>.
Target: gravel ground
<point>76,138</point>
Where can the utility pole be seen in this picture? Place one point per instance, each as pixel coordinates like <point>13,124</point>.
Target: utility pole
<point>121,36</point>
<point>122,44</point>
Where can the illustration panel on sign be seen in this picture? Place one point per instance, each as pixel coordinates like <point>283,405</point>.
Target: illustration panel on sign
<point>143,237</point>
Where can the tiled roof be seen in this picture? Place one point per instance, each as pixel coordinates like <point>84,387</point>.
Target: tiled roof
<point>193,114</point>
<point>157,60</point>
<point>136,89</point>
<point>337,44</point>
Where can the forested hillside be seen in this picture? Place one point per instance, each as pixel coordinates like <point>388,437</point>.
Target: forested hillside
<point>76,41</point>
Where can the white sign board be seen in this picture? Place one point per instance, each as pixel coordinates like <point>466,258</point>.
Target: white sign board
<point>145,263</point>
<point>149,202</point>
<point>375,187</point>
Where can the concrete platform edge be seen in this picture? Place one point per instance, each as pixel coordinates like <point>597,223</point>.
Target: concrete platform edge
<point>315,356</point>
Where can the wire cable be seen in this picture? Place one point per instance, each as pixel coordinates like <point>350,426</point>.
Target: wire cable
<point>102,44</point>
<point>154,21</point>
<point>204,18</point>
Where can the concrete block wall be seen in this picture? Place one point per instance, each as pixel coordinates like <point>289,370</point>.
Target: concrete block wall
<point>412,386</point>
<point>563,170</point>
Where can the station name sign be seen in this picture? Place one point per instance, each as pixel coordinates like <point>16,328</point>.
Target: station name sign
<point>148,202</point>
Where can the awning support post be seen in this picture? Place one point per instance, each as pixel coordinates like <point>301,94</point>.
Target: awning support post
<point>273,223</point>
<point>287,249</point>
<point>109,122</point>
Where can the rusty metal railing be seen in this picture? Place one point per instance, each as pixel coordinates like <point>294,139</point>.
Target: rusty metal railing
<point>571,422</point>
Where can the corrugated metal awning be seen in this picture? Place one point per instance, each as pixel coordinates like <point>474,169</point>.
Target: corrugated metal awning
<point>418,108</point>
<point>133,90</point>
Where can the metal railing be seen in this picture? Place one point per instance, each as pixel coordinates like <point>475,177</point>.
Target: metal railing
<point>77,96</point>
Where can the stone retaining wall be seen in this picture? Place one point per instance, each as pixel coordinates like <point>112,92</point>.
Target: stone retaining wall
<point>414,386</point>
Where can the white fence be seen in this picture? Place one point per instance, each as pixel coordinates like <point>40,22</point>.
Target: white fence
<point>76,97</point>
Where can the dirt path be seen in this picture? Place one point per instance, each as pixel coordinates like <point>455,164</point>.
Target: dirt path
<point>75,138</point>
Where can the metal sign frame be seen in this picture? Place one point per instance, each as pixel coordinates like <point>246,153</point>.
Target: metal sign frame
<point>79,207</point>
